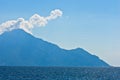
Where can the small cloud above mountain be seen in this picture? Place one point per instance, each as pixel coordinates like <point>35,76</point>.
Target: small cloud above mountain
<point>27,25</point>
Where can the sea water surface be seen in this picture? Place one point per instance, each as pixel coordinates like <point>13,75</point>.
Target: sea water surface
<point>59,73</point>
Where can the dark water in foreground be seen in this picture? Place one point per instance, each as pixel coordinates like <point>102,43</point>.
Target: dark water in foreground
<point>58,73</point>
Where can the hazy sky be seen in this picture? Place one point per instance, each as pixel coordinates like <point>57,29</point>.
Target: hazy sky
<point>93,25</point>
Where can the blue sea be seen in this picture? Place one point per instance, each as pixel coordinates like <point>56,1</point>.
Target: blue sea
<point>59,73</point>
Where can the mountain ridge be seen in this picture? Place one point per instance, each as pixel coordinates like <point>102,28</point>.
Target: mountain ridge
<point>22,49</point>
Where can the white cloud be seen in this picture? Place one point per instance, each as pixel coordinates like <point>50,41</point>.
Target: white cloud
<point>27,25</point>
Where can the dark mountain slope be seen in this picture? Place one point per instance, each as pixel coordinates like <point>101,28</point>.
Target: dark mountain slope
<point>18,48</point>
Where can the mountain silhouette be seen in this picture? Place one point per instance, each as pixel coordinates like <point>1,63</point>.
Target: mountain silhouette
<point>18,48</point>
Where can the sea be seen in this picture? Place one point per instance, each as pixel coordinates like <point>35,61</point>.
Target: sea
<point>59,73</point>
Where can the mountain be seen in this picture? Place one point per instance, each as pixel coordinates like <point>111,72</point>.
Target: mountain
<point>18,48</point>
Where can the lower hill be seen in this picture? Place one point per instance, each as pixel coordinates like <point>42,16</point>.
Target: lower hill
<point>18,48</point>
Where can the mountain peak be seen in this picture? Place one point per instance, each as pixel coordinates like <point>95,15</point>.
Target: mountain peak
<point>16,32</point>
<point>18,48</point>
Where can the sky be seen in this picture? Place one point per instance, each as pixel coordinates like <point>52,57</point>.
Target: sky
<point>93,25</point>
